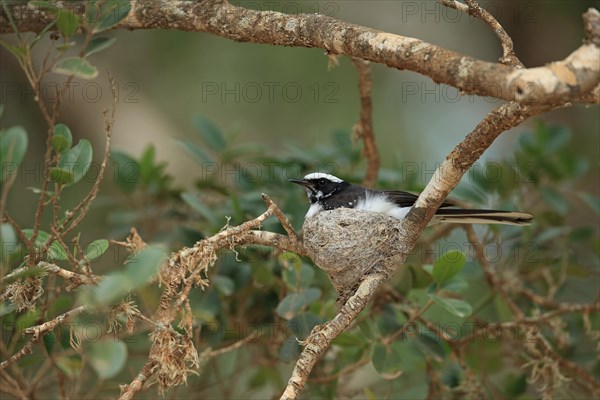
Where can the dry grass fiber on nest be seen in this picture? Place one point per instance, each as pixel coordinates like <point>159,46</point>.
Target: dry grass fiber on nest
<point>349,243</point>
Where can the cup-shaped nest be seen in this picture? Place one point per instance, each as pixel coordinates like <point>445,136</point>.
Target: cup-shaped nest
<point>349,243</point>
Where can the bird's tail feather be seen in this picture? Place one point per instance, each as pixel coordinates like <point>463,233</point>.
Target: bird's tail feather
<point>462,216</point>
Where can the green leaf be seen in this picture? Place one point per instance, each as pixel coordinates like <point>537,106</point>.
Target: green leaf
<point>292,303</point>
<point>62,176</point>
<point>65,46</point>
<point>76,66</point>
<point>590,200</point>
<point>224,284</point>
<point>138,270</point>
<point>454,284</point>
<point>387,361</point>
<point>210,133</point>
<point>13,145</point>
<point>195,151</point>
<point>128,171</point>
<point>297,275</point>
<point>6,307</point>
<point>431,345</point>
<point>350,340</point>
<point>369,329</point>
<point>289,351</point>
<point>303,323</point>
<point>555,200</point>
<point>107,357</point>
<point>99,44</point>
<point>456,307</point>
<point>144,265</point>
<point>92,12</point>
<point>113,12</point>
<point>448,265</point>
<point>71,366</point>
<point>193,201</point>
<point>147,168</point>
<point>55,252</point>
<point>8,240</point>
<point>96,249</point>
<point>515,385</point>
<point>67,22</point>
<point>17,51</point>
<point>73,163</point>
<point>557,136</point>
<point>49,340</point>
<point>26,320</point>
<point>61,138</point>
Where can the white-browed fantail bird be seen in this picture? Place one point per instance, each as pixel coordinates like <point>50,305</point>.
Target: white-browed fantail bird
<point>328,192</point>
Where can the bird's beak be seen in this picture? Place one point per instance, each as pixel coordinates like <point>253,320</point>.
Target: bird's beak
<point>303,182</point>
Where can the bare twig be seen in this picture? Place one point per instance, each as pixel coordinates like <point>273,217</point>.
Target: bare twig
<point>74,278</point>
<point>128,391</point>
<point>364,128</point>
<point>293,236</point>
<point>490,276</point>
<point>76,215</point>
<point>473,8</point>
<point>38,332</point>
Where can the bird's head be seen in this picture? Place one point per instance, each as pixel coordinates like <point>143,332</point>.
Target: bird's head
<point>319,185</point>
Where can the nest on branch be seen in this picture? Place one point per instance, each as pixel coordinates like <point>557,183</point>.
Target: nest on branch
<point>348,244</point>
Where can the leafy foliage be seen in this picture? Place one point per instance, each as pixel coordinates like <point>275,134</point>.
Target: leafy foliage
<point>271,300</point>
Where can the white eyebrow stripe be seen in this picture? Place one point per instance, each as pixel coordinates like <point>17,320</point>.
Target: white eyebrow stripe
<point>319,175</point>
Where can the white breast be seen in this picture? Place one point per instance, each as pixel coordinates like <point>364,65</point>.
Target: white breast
<point>313,210</point>
<point>381,204</point>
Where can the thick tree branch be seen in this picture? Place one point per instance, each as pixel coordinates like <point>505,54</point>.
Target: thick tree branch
<point>573,76</point>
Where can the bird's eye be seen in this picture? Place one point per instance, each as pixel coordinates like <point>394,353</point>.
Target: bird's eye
<point>322,182</point>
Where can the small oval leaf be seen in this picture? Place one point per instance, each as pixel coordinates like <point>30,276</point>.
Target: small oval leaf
<point>107,358</point>
<point>67,22</point>
<point>113,12</point>
<point>99,44</point>
<point>448,265</point>
<point>62,176</point>
<point>76,160</point>
<point>292,303</point>
<point>62,139</point>
<point>13,145</point>
<point>96,249</point>
<point>55,252</point>
<point>456,307</point>
<point>76,66</point>
<point>387,361</point>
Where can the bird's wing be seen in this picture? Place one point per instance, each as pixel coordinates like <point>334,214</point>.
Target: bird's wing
<point>406,199</point>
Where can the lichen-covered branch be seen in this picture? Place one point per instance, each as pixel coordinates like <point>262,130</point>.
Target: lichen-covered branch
<point>38,332</point>
<point>575,75</point>
<point>172,354</point>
